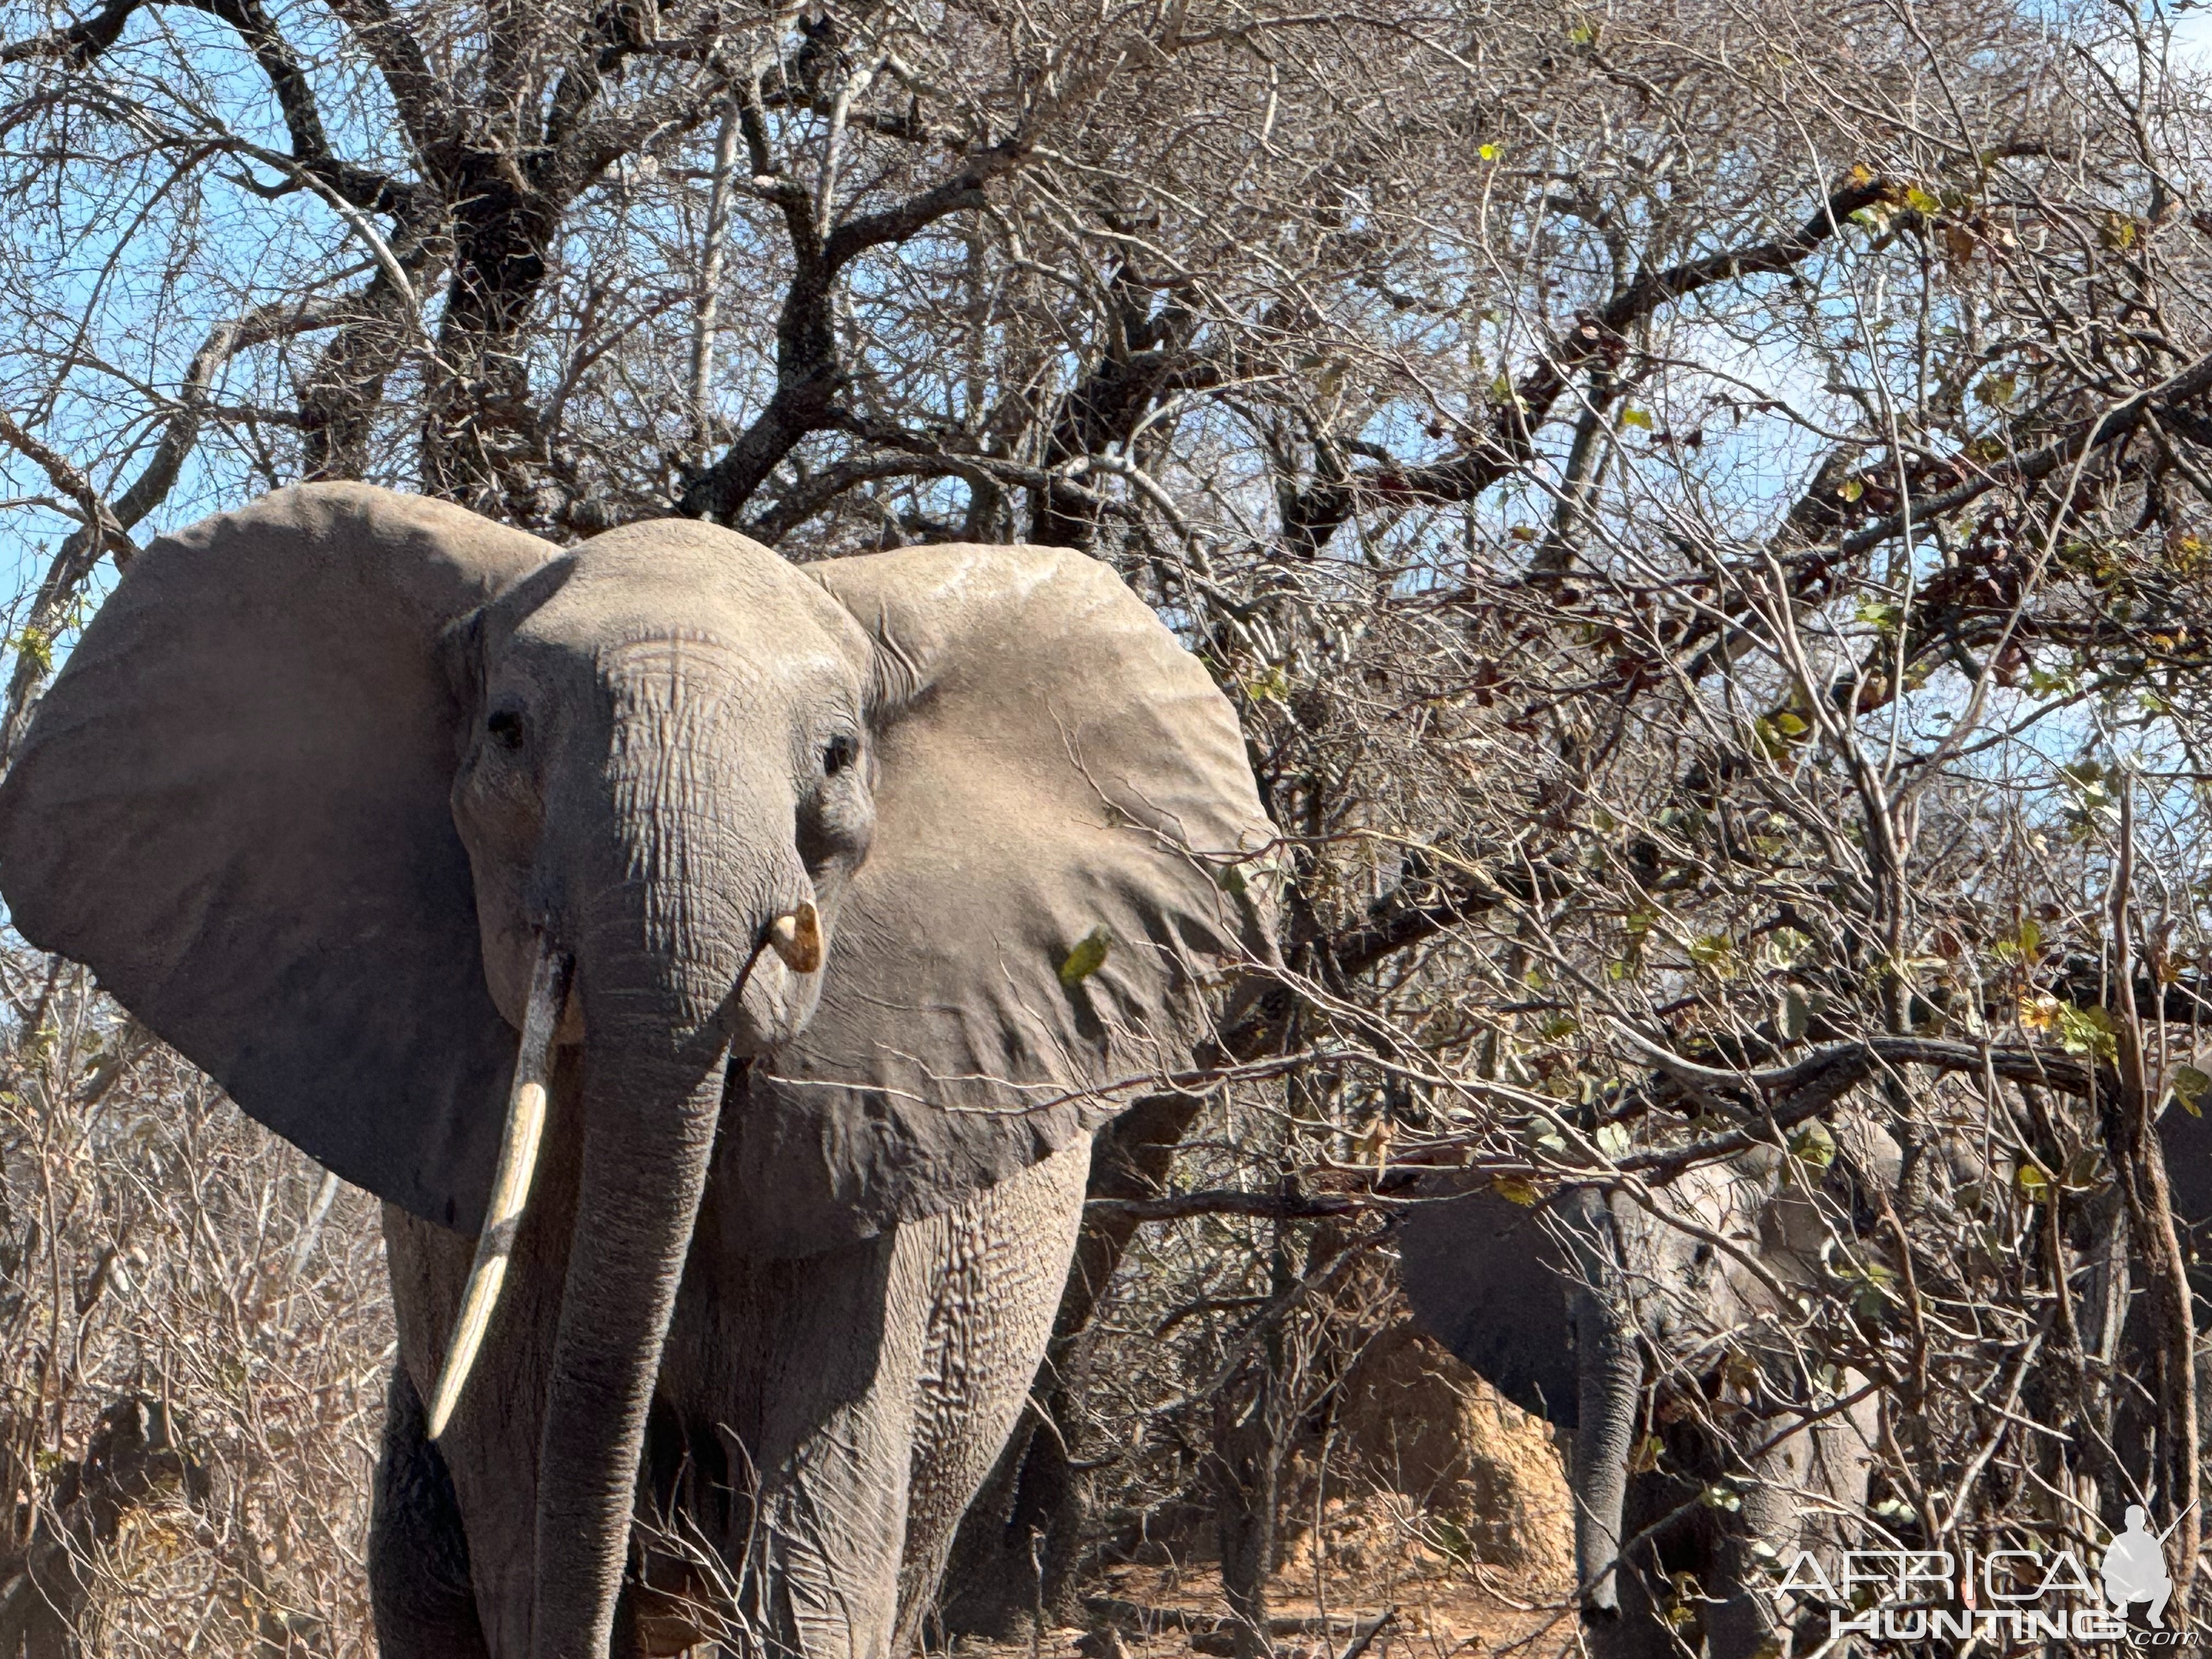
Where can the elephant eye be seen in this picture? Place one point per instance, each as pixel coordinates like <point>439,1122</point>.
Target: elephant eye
<point>505,725</point>
<point>840,753</point>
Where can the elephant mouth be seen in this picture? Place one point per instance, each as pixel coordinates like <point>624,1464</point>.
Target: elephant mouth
<point>759,1005</point>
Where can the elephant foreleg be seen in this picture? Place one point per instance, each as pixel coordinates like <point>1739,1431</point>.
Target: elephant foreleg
<point>418,1556</point>
<point>858,1503</point>
<point>1000,1262</point>
<point>1807,1487</point>
<point>1744,1621</point>
<point>877,1384</point>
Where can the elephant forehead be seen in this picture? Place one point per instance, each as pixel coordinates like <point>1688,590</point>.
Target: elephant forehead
<point>649,672</point>
<point>648,649</point>
<point>676,578</point>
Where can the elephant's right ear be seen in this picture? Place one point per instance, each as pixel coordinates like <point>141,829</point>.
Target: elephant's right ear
<point>232,806</point>
<point>1486,1278</point>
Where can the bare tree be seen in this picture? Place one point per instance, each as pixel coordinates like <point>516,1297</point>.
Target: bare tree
<point>1701,508</point>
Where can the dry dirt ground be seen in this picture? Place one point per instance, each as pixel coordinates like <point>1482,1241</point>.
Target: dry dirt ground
<point>1457,1522</point>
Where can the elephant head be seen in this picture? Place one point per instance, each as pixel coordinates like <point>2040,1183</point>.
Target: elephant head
<point>340,792</point>
<point>1571,1306</point>
<point>1554,1304</point>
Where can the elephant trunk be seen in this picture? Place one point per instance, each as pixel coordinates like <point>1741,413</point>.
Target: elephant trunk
<point>649,1130</point>
<point>666,941</point>
<point>1609,1381</point>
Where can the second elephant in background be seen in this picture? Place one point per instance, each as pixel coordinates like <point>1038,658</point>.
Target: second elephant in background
<point>1656,1337</point>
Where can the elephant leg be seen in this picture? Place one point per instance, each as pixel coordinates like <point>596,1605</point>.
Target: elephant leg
<point>783,1426</point>
<point>418,1558</point>
<point>1807,1487</point>
<point>1741,1618</point>
<point>818,1567</point>
<point>1640,1628</point>
<point>830,1417</point>
<point>1000,1263</point>
<point>1844,1453</point>
<point>858,1506</point>
<point>490,1449</point>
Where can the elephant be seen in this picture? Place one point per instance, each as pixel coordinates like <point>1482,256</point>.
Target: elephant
<point>832,904</point>
<point>2186,1139</point>
<point>2185,1132</point>
<point>1624,1326</point>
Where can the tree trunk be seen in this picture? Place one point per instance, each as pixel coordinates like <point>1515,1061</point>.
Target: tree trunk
<point>1245,1468</point>
<point>476,403</point>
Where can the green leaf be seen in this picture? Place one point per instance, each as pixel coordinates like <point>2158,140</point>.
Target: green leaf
<point>2024,945</point>
<point>1873,1297</point>
<point>1515,1192</point>
<point>1921,202</point>
<point>1450,1538</point>
<point>1711,950</point>
<point>1814,1144</point>
<point>2032,1182</point>
<point>2087,1032</point>
<point>1088,957</point>
<point>1638,418</point>
<point>2189,1087</point>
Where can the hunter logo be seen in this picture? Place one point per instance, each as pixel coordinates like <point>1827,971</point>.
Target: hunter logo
<point>2135,1568</point>
<point>2015,1595</point>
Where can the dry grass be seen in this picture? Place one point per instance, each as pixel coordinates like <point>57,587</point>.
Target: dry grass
<point>156,1245</point>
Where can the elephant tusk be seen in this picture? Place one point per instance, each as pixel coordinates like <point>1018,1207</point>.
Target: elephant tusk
<point>510,1187</point>
<point>797,938</point>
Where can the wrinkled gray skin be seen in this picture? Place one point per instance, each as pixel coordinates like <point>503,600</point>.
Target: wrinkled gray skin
<point>323,773</point>
<point>871,1388</point>
<point>1567,1307</point>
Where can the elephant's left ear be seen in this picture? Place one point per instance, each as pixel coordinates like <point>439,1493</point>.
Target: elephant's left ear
<point>1062,871</point>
